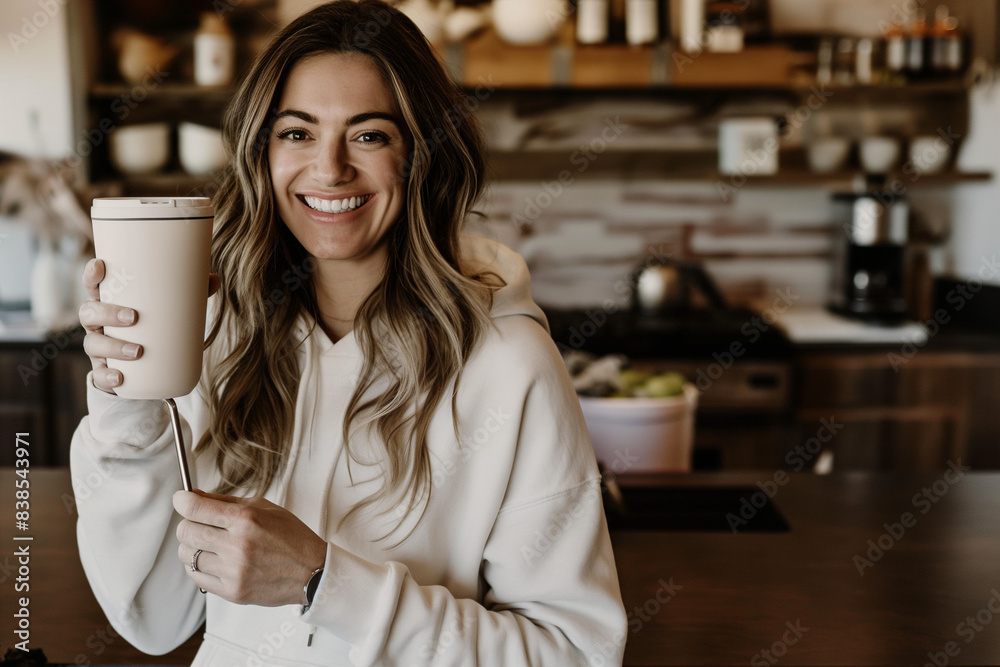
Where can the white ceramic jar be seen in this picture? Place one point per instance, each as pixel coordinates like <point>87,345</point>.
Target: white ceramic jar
<point>214,52</point>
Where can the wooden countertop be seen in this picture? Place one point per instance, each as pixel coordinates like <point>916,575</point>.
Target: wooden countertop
<point>741,590</point>
<point>735,595</point>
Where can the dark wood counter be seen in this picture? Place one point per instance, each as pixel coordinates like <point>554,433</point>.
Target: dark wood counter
<point>741,590</point>
<point>735,595</point>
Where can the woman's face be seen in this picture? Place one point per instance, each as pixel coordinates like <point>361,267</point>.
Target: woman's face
<point>337,148</point>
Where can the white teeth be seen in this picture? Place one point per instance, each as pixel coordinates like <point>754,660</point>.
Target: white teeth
<point>336,205</point>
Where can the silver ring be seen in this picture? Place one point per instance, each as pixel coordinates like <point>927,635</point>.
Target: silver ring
<point>194,561</point>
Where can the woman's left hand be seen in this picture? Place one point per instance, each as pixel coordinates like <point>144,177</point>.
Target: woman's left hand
<point>252,551</point>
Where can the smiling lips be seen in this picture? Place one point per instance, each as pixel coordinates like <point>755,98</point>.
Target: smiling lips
<point>335,205</point>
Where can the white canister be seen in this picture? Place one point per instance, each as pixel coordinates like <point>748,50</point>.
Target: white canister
<point>156,254</point>
<point>48,294</point>
<point>641,21</point>
<point>688,19</point>
<point>592,18</point>
<point>214,52</point>
<point>748,146</point>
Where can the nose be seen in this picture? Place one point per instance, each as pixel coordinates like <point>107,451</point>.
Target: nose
<point>332,165</point>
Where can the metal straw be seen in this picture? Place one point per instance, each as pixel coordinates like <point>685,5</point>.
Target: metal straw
<point>175,421</point>
<point>182,461</point>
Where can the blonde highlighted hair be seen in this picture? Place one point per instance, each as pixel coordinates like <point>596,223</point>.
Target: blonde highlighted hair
<point>417,328</point>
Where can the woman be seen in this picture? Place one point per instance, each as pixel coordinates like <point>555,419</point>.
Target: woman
<point>400,469</point>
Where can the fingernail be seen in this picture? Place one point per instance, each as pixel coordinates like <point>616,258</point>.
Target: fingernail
<point>126,316</point>
<point>130,350</point>
<point>113,378</point>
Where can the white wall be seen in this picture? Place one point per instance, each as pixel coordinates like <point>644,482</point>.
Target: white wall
<point>35,78</point>
<point>976,210</point>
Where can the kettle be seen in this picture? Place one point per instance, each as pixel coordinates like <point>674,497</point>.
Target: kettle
<point>666,287</point>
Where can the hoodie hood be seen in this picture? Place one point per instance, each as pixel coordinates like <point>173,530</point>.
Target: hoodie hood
<point>482,255</point>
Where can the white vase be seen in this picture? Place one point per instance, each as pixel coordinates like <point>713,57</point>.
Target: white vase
<point>48,294</point>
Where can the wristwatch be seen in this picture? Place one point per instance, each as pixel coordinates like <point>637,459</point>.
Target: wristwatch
<point>311,587</point>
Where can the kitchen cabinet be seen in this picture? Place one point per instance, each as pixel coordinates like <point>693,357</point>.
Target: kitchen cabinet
<point>171,96</point>
<point>893,411</point>
<point>44,394</point>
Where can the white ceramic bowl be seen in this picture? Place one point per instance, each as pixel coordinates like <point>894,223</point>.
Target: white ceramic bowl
<point>528,21</point>
<point>929,154</point>
<point>140,149</point>
<point>828,154</point>
<point>643,434</point>
<point>879,155</point>
<point>200,148</point>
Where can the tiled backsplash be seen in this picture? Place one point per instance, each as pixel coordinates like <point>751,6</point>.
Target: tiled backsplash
<point>583,235</point>
<point>595,233</point>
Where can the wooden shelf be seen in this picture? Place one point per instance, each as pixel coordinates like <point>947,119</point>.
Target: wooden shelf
<point>562,64</point>
<point>168,184</point>
<point>695,166</point>
<point>167,90</point>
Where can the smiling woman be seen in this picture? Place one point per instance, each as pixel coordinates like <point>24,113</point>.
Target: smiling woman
<point>337,146</point>
<point>401,473</point>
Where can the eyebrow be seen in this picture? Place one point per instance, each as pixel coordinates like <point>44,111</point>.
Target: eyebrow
<point>353,120</point>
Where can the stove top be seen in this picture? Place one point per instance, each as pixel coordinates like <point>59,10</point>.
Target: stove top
<point>694,333</point>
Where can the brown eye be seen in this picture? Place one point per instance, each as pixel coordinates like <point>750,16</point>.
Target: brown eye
<point>292,135</point>
<point>374,137</point>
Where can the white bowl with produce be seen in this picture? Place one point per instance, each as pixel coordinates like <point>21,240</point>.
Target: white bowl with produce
<point>633,435</point>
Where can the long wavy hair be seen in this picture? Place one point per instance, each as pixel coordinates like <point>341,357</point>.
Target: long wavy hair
<point>419,325</point>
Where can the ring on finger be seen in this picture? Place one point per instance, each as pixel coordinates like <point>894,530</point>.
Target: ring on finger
<point>194,561</point>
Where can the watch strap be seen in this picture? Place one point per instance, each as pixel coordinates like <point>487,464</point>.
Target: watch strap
<point>311,587</point>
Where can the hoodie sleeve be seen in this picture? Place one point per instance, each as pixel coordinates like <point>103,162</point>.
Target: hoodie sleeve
<point>553,598</point>
<point>124,473</point>
<point>550,587</point>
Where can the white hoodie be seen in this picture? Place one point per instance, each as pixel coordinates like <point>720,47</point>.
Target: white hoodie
<point>510,565</point>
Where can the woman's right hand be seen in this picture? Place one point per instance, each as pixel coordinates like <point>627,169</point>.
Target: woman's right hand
<point>95,315</point>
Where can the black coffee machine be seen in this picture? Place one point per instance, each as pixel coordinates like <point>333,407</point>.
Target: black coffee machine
<point>869,268</point>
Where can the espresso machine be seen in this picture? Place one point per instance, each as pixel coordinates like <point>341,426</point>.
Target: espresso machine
<point>869,271</point>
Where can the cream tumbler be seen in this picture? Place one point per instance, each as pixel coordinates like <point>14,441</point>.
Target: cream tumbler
<point>157,257</point>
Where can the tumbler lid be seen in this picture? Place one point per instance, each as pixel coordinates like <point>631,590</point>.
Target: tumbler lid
<point>151,208</point>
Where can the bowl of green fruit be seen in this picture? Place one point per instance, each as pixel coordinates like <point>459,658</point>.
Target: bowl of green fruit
<point>639,421</point>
